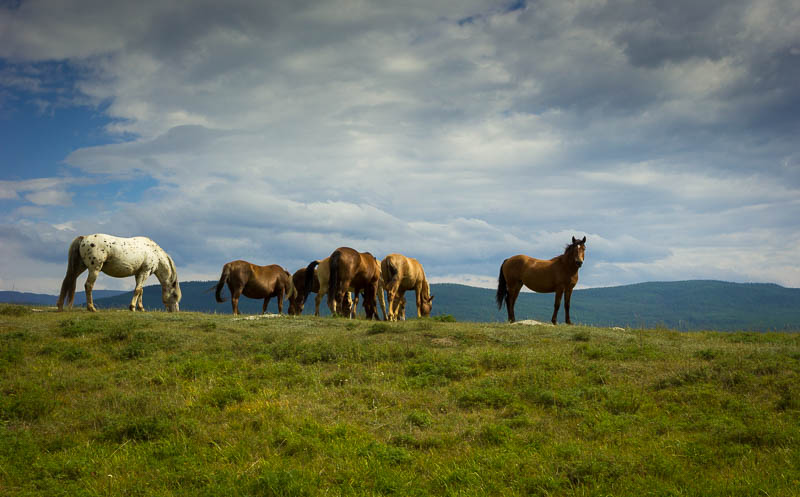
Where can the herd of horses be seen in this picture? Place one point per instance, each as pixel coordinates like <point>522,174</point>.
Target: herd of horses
<point>345,277</point>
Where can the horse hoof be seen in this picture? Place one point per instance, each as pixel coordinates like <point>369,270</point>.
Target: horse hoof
<point>132,308</point>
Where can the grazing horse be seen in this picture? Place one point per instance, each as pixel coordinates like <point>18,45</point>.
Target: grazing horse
<point>297,303</point>
<point>317,274</point>
<point>559,274</point>
<point>119,257</point>
<point>255,282</point>
<point>357,270</point>
<point>400,274</point>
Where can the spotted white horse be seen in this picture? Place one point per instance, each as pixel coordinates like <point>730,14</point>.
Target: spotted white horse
<point>120,257</point>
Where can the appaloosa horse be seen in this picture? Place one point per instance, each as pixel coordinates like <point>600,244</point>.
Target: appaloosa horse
<point>255,282</point>
<point>119,257</point>
<point>400,274</point>
<point>559,274</point>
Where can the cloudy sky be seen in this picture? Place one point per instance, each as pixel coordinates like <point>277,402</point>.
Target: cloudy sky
<point>458,132</point>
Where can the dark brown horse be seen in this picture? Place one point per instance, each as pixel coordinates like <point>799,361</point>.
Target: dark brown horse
<point>297,303</point>
<point>359,271</point>
<point>255,282</point>
<point>559,274</point>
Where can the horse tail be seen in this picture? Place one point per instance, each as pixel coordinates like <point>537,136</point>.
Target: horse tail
<point>333,279</point>
<point>392,271</point>
<point>75,267</point>
<point>308,284</point>
<point>226,271</point>
<point>291,292</point>
<point>502,289</point>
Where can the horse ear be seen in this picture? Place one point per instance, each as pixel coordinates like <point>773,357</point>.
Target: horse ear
<point>583,241</point>
<point>574,241</point>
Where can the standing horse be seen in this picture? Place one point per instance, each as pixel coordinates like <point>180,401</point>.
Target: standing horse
<point>255,282</point>
<point>317,275</point>
<point>119,257</point>
<point>297,303</point>
<point>559,274</point>
<point>350,269</point>
<point>400,274</point>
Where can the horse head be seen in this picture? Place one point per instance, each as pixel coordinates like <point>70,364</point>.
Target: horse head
<point>578,250</point>
<point>426,306</point>
<point>171,295</point>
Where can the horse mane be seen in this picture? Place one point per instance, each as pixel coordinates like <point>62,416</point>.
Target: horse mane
<point>173,270</point>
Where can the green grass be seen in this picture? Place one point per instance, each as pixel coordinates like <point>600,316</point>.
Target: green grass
<point>189,404</point>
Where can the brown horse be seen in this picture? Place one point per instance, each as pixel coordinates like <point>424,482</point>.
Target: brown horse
<point>400,274</point>
<point>359,271</point>
<point>317,274</point>
<point>559,274</point>
<point>297,303</point>
<point>255,282</point>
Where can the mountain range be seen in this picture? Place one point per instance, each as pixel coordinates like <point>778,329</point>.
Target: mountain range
<point>679,305</point>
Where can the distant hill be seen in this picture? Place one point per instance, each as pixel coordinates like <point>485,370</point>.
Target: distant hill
<point>680,305</point>
<point>45,299</point>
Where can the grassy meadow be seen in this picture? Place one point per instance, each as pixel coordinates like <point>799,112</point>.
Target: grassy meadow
<point>191,404</point>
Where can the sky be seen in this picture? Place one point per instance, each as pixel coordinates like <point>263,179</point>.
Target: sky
<point>458,132</point>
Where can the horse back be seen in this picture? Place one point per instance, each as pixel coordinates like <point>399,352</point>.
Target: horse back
<point>539,275</point>
<point>408,270</point>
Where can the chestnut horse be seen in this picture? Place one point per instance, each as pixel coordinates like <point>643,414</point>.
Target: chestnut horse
<point>255,282</point>
<point>400,274</point>
<point>559,275</point>
<point>297,303</point>
<point>357,270</point>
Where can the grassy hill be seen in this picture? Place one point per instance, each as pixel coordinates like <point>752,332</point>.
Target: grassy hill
<point>191,404</point>
<point>683,305</point>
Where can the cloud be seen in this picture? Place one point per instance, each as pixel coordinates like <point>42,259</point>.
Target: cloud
<point>39,191</point>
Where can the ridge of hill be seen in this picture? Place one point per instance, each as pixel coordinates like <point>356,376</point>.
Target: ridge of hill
<point>680,305</point>
<point>12,297</point>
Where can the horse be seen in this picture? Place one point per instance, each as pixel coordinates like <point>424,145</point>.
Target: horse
<point>359,271</point>
<point>400,274</point>
<point>559,275</point>
<point>297,303</point>
<point>317,274</point>
<point>255,282</point>
<point>119,257</point>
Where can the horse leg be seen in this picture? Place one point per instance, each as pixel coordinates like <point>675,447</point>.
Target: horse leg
<point>235,300</point>
<point>418,292</point>
<point>280,301</point>
<point>266,303</point>
<point>393,295</point>
<point>93,272</point>
<point>137,292</point>
<point>511,300</point>
<point>317,301</point>
<point>567,297</point>
<point>556,305</point>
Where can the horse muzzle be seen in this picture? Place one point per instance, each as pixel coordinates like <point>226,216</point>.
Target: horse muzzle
<point>579,263</point>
